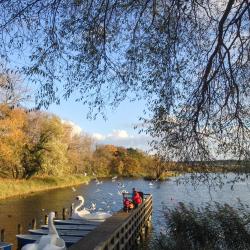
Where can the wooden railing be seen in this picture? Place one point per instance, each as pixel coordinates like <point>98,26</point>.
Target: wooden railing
<point>121,231</point>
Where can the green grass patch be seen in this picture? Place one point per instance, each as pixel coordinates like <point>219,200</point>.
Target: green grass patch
<point>10,187</point>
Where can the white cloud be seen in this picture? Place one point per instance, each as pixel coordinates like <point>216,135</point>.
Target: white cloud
<point>119,134</point>
<point>123,138</point>
<point>98,137</point>
<point>76,130</point>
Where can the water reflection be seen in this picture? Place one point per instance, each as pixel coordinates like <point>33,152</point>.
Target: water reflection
<point>22,210</point>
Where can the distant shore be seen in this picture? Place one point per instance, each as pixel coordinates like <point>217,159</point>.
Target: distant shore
<point>21,187</point>
<point>11,188</point>
<point>163,177</point>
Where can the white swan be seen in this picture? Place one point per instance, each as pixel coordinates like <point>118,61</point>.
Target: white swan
<point>78,214</point>
<point>52,241</point>
<point>97,216</point>
<point>85,214</point>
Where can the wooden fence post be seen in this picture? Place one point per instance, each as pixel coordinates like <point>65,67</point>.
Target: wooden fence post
<point>2,238</point>
<point>46,219</point>
<point>64,213</point>
<point>33,224</point>
<point>71,209</point>
<point>19,229</point>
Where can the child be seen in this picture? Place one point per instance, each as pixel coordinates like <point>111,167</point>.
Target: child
<point>126,204</point>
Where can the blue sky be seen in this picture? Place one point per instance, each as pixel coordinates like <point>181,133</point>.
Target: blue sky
<point>118,129</point>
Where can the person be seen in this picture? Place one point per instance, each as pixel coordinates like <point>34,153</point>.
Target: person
<point>131,205</point>
<point>137,199</point>
<point>133,193</point>
<point>126,204</point>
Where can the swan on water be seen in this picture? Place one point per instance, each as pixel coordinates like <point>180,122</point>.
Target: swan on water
<point>52,241</point>
<point>85,214</point>
<point>97,216</point>
<point>78,214</point>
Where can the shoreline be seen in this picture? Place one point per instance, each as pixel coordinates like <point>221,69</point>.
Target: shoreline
<point>21,188</point>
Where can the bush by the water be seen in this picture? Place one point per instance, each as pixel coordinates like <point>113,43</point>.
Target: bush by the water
<point>214,226</point>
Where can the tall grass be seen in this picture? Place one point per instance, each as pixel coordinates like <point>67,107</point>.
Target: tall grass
<point>10,187</point>
<point>214,226</point>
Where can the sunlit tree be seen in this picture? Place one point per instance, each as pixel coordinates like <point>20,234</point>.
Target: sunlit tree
<point>45,151</point>
<point>12,141</point>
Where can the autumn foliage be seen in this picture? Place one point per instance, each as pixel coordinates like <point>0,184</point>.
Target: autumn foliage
<point>41,144</point>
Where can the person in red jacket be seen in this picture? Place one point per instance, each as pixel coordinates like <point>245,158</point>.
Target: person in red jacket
<point>137,199</point>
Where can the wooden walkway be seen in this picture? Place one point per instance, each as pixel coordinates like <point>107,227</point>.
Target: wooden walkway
<point>121,231</point>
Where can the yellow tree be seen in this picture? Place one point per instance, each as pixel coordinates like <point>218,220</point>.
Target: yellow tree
<point>104,156</point>
<point>12,140</point>
<point>45,150</point>
<point>79,148</point>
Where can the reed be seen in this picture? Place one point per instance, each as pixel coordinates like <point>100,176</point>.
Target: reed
<point>213,226</point>
<point>10,187</point>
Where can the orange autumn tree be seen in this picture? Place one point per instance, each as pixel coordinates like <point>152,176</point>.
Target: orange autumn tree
<point>103,156</point>
<point>12,139</point>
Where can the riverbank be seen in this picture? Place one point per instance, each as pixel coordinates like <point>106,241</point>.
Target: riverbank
<point>10,187</point>
<point>163,177</point>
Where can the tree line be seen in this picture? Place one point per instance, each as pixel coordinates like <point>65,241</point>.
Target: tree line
<point>36,143</point>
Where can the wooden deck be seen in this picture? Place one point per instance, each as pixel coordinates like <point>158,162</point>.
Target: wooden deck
<point>121,231</point>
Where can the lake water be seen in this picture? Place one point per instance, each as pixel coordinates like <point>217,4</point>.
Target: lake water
<point>16,211</point>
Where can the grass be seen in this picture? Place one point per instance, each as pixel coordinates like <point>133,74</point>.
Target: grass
<point>10,187</point>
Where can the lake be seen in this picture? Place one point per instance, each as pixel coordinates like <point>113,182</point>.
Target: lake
<point>14,211</point>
